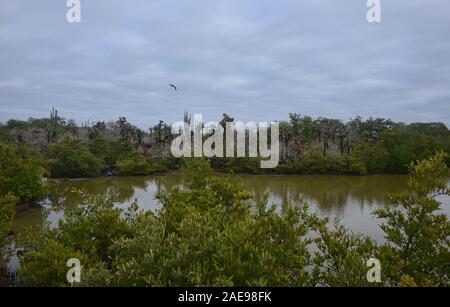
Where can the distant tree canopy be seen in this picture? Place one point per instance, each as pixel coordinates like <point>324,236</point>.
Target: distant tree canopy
<point>379,144</point>
<point>307,145</point>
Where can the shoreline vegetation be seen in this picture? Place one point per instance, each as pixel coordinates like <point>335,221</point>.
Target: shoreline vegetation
<point>214,172</point>
<point>206,234</point>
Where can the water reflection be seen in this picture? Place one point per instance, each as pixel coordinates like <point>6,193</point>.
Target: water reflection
<point>331,194</point>
<point>350,198</point>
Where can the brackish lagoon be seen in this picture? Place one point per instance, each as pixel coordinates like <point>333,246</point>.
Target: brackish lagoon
<point>349,198</point>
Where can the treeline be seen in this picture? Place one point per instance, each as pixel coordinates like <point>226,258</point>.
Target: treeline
<point>307,146</point>
<point>76,160</point>
<point>70,155</point>
<point>208,233</point>
<point>358,146</point>
<point>330,146</point>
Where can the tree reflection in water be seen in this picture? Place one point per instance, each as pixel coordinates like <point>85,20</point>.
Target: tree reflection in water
<point>350,198</point>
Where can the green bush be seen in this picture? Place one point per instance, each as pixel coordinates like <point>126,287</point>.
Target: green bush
<point>109,151</point>
<point>87,233</point>
<point>318,164</point>
<point>356,167</point>
<point>417,232</point>
<point>243,165</point>
<point>47,266</point>
<point>372,157</point>
<point>73,160</point>
<point>135,164</point>
<point>21,173</point>
<point>7,212</point>
<point>340,259</point>
<point>171,163</point>
<point>405,147</point>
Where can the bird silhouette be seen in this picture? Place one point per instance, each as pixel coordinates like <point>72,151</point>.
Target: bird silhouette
<point>173,86</point>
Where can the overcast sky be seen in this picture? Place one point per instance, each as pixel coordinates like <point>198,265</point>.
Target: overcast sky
<point>254,59</point>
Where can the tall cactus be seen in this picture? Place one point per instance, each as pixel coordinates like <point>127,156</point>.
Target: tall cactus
<point>51,127</point>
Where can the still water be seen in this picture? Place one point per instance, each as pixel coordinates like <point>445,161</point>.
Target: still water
<point>349,198</point>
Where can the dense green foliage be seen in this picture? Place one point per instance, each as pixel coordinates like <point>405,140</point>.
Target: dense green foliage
<point>134,164</point>
<point>316,163</point>
<point>340,259</point>
<point>330,146</point>
<point>72,160</point>
<point>236,165</point>
<point>109,151</point>
<point>7,212</point>
<point>21,182</point>
<point>211,232</point>
<point>21,172</point>
<point>378,145</point>
<point>418,234</point>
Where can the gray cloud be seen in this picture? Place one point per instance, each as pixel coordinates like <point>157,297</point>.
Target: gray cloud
<point>255,59</point>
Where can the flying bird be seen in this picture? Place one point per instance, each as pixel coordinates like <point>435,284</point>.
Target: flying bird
<point>173,86</point>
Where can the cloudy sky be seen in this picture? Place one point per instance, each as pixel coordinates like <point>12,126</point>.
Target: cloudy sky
<point>254,59</point>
